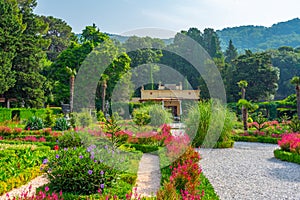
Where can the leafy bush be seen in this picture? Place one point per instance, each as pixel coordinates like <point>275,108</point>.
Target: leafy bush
<point>83,119</point>
<point>34,123</point>
<point>61,124</point>
<point>295,124</point>
<point>141,116</point>
<point>204,121</point>
<point>100,116</point>
<point>49,119</point>
<point>154,115</point>
<point>159,115</point>
<point>287,156</point>
<point>70,139</point>
<point>80,171</point>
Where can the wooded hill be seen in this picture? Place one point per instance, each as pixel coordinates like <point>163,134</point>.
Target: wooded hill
<point>260,38</point>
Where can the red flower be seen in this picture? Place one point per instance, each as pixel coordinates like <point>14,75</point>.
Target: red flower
<point>56,147</point>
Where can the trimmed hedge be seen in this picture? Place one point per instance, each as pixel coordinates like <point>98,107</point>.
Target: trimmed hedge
<point>19,180</point>
<point>40,144</point>
<point>24,113</point>
<point>260,139</point>
<point>225,144</point>
<point>287,156</point>
<point>142,147</point>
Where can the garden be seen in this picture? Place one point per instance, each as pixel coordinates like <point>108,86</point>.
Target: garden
<point>98,158</point>
<point>87,159</point>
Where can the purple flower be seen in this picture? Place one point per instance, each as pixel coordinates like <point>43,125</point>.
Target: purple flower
<point>88,150</point>
<point>41,169</point>
<point>92,157</point>
<point>66,149</point>
<point>74,148</point>
<point>90,172</point>
<point>102,172</point>
<point>57,156</point>
<point>95,161</point>
<point>102,186</point>
<point>80,156</point>
<point>45,161</point>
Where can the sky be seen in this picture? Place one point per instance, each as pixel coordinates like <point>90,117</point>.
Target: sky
<point>166,17</point>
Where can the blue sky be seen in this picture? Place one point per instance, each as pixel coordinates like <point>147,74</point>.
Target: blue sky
<point>119,16</point>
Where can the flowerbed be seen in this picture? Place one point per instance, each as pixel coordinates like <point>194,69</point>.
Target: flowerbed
<point>19,164</point>
<point>264,131</point>
<point>290,148</point>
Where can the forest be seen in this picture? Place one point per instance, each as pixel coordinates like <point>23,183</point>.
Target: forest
<point>39,54</point>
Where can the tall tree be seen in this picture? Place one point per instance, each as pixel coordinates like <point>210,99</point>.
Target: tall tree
<point>29,86</point>
<point>257,70</point>
<point>11,28</point>
<point>296,81</point>
<point>230,53</point>
<point>60,35</point>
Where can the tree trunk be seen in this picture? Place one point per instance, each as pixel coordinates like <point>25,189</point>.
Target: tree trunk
<point>104,86</point>
<point>298,100</point>
<point>245,118</point>
<point>243,93</point>
<point>72,79</point>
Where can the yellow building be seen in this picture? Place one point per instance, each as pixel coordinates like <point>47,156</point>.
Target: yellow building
<point>171,97</point>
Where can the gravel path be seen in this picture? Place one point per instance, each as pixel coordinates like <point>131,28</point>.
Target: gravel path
<point>148,180</point>
<point>250,171</point>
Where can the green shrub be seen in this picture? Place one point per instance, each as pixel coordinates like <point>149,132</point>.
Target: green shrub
<point>295,124</point>
<point>49,119</point>
<point>159,115</point>
<point>287,156</point>
<point>70,139</point>
<point>100,116</point>
<point>83,119</point>
<point>34,123</point>
<point>61,124</point>
<point>80,171</point>
<point>141,116</point>
<point>204,121</point>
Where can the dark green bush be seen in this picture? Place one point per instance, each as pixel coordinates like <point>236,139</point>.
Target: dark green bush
<point>34,123</point>
<point>49,119</point>
<point>70,139</point>
<point>61,124</point>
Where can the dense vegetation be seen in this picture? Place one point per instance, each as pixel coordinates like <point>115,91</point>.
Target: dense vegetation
<point>260,38</point>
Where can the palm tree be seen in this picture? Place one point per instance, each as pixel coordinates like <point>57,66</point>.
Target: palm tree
<point>243,102</point>
<point>296,81</point>
<point>72,73</point>
<point>246,105</point>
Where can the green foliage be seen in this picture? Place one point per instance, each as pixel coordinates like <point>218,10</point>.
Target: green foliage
<point>287,156</point>
<point>70,139</point>
<point>141,116</point>
<point>295,124</point>
<point>255,68</point>
<point>140,147</point>
<point>202,118</point>
<point>259,38</point>
<point>49,118</point>
<point>82,119</point>
<point>261,139</point>
<point>79,171</point>
<point>159,115</point>
<point>61,124</point>
<point>101,116</point>
<point>34,123</point>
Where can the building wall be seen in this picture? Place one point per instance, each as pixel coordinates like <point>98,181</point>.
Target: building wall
<point>174,94</point>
